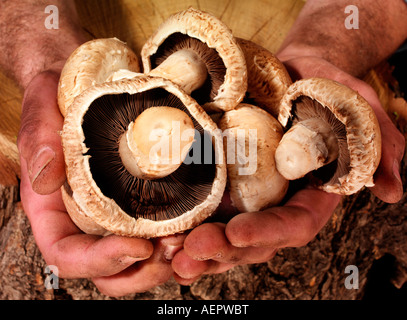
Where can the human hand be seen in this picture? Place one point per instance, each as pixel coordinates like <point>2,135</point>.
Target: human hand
<point>254,237</point>
<point>117,265</point>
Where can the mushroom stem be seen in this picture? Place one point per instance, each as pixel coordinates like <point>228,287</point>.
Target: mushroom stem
<point>307,146</point>
<point>157,142</point>
<point>184,68</point>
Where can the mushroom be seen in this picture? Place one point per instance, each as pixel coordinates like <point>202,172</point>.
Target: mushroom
<point>104,60</point>
<point>333,133</point>
<point>198,52</point>
<point>252,136</point>
<point>267,78</point>
<point>102,192</point>
<point>112,186</point>
<point>93,63</point>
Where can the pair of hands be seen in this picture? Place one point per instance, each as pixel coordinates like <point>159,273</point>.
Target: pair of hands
<point>120,265</point>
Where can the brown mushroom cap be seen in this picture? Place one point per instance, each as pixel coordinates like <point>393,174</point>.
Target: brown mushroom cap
<point>192,28</point>
<point>123,204</point>
<point>90,64</point>
<point>267,78</point>
<point>360,150</point>
<point>257,184</point>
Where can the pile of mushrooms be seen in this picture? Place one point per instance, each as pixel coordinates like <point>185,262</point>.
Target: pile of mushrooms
<point>129,135</point>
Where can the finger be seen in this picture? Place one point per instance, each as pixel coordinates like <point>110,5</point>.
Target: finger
<point>171,245</point>
<point>186,267</point>
<point>144,275</point>
<point>39,141</point>
<point>253,237</point>
<point>61,243</point>
<point>188,270</point>
<point>184,281</point>
<point>87,256</point>
<point>292,225</point>
<point>209,242</point>
<point>388,185</point>
<point>79,255</point>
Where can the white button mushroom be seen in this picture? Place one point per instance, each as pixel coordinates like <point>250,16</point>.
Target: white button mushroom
<point>81,72</point>
<point>251,138</point>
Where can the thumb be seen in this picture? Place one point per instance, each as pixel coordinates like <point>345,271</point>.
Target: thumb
<point>388,184</point>
<point>39,140</point>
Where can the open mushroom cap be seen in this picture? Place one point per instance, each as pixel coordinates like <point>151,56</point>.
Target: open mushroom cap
<point>213,41</point>
<point>353,122</point>
<point>267,78</point>
<point>78,216</point>
<point>106,193</point>
<point>251,136</point>
<point>92,63</point>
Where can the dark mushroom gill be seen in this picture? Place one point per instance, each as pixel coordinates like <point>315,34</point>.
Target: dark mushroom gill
<point>105,121</point>
<point>304,108</point>
<point>214,63</point>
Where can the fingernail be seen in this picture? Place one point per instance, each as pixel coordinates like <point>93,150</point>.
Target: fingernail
<point>128,260</point>
<point>170,251</point>
<point>42,158</point>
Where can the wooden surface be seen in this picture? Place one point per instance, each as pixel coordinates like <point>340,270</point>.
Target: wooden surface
<point>262,21</point>
<point>10,111</point>
<point>314,272</point>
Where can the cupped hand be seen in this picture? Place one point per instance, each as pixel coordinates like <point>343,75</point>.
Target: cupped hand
<point>254,237</point>
<point>117,265</point>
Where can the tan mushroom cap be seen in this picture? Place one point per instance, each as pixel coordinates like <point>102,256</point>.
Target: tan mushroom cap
<point>92,63</point>
<point>257,184</point>
<point>215,34</point>
<point>267,78</point>
<point>363,134</point>
<point>105,212</point>
<point>78,216</point>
